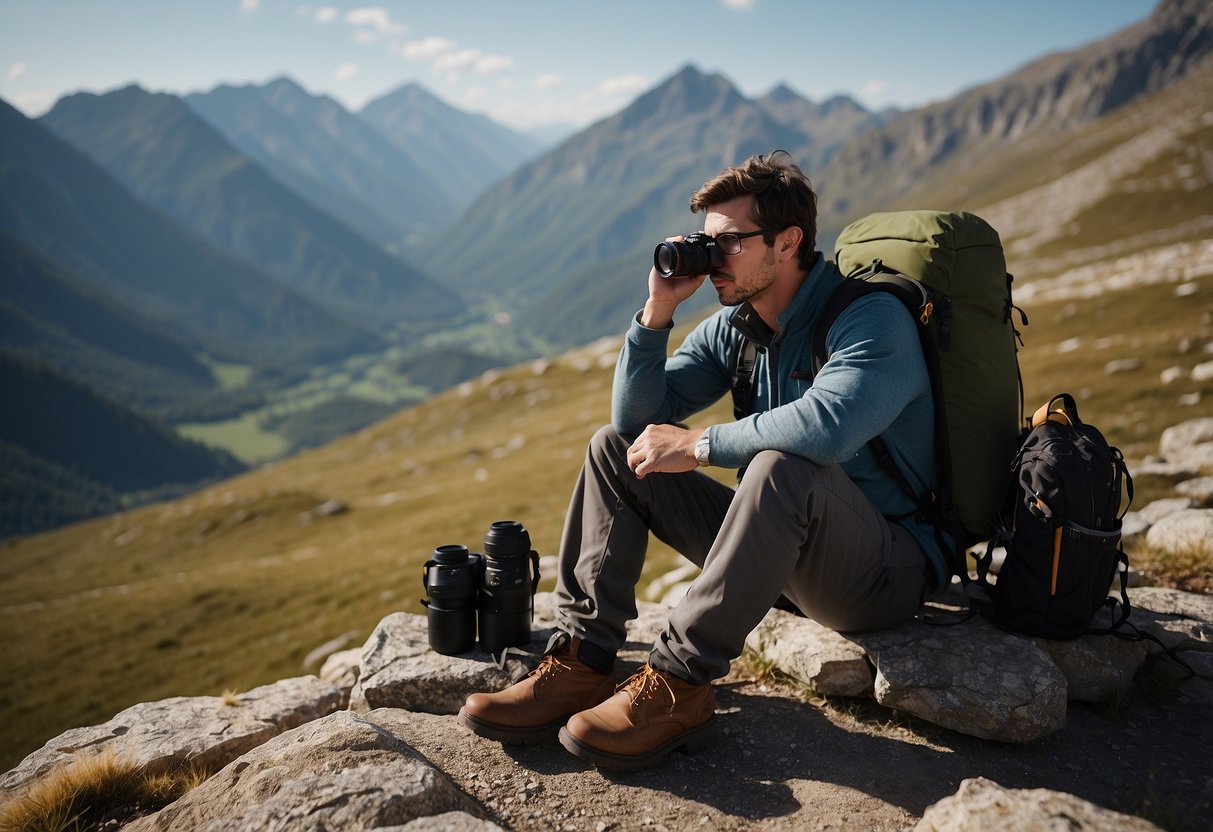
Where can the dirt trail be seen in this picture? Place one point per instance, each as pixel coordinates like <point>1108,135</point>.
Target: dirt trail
<point>784,762</point>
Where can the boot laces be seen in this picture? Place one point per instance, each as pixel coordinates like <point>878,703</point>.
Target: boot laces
<point>549,668</point>
<point>645,683</point>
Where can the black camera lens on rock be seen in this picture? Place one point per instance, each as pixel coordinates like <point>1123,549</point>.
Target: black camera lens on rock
<point>496,588</point>
<point>452,579</point>
<point>511,576</point>
<point>696,254</point>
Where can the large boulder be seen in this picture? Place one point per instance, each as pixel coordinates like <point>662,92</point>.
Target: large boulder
<point>976,679</point>
<point>973,678</point>
<point>399,670</point>
<point>345,771</point>
<point>1186,534</point>
<point>983,804</point>
<point>829,662</point>
<point>1190,442</point>
<point>206,732</point>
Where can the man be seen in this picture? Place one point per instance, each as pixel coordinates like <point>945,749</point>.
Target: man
<point>808,519</point>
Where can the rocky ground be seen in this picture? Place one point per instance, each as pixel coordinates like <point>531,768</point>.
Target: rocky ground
<point>373,742</point>
<point>786,760</point>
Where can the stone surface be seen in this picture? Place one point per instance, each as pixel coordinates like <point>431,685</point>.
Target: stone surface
<point>203,731</point>
<point>1179,442</point>
<point>985,805</point>
<point>972,678</point>
<point>1173,471</point>
<point>341,669</point>
<point>1097,668</point>
<point>1133,528</point>
<point>399,670</point>
<point>1173,602</point>
<point>344,771</point>
<point>446,822</point>
<point>1198,489</point>
<point>830,663</point>
<point>1185,534</point>
<point>1157,510</point>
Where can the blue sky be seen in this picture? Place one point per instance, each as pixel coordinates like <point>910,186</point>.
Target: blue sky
<point>539,63</point>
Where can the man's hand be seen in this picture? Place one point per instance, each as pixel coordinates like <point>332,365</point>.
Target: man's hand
<point>663,449</point>
<point>665,293</point>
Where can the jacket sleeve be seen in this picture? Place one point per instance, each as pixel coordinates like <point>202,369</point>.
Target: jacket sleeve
<point>875,369</point>
<point>649,389</point>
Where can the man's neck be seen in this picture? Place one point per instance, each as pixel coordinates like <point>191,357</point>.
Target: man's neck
<point>778,297</point>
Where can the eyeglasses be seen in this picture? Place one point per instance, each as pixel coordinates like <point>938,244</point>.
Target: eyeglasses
<point>730,241</point>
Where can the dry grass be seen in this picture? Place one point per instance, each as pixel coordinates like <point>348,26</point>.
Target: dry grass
<point>85,793</point>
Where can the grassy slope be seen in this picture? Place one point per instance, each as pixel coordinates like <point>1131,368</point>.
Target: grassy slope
<point>233,586</point>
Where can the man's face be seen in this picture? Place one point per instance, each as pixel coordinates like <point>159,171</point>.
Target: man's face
<point>747,274</point>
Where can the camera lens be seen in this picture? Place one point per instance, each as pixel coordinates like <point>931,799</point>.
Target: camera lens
<point>507,539</point>
<point>511,572</point>
<point>697,254</point>
<point>451,579</point>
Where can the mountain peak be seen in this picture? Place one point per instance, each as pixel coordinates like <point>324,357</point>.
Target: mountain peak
<point>841,103</point>
<point>783,94</point>
<point>410,96</point>
<point>284,83</point>
<point>687,91</point>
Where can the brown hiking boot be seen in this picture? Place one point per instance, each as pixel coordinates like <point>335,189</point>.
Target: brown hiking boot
<point>533,709</point>
<point>650,715</point>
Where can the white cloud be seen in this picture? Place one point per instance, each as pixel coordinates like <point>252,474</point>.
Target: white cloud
<point>17,70</point>
<point>493,64</point>
<point>739,5</point>
<point>326,14</point>
<point>428,49</point>
<point>375,17</point>
<point>875,87</point>
<point>623,84</point>
<point>249,6</point>
<point>457,60</point>
<point>469,60</point>
<point>346,71</point>
<point>548,81</point>
<point>367,36</point>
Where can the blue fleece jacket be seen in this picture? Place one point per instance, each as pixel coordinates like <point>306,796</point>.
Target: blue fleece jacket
<point>874,383</point>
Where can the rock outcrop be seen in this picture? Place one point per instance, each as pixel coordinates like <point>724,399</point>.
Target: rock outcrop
<point>207,732</point>
<point>982,804</point>
<point>340,751</point>
<point>292,761</point>
<point>343,771</point>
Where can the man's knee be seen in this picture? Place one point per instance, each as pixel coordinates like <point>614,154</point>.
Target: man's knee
<point>608,448</point>
<point>607,438</point>
<point>774,467</point>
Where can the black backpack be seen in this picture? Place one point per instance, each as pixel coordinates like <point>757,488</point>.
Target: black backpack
<point>1060,527</point>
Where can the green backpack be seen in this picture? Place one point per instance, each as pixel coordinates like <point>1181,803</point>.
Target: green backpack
<point>960,291</point>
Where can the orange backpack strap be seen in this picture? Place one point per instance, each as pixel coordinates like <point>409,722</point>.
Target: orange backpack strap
<point>1066,415</point>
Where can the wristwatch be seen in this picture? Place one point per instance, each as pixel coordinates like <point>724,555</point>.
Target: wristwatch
<point>703,450</point>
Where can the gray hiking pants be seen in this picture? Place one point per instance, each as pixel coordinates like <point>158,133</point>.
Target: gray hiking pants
<point>792,526</point>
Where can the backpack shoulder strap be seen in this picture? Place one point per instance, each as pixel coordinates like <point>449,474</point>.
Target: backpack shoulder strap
<point>745,364</point>
<point>936,506</point>
<point>916,297</point>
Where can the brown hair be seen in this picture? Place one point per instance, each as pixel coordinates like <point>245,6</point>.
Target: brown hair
<point>783,197</point>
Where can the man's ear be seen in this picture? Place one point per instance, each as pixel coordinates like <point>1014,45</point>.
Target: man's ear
<point>788,246</point>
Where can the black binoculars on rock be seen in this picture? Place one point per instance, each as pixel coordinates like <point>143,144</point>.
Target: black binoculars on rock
<point>497,588</point>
